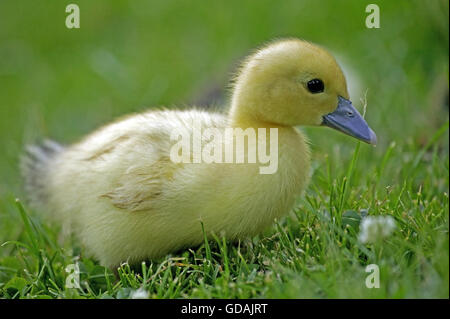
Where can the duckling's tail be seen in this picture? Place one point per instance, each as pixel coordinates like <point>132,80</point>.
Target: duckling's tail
<point>34,166</point>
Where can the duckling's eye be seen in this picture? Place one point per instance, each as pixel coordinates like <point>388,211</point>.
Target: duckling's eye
<point>315,86</point>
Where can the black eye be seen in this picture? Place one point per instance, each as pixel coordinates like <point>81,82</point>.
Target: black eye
<point>315,86</point>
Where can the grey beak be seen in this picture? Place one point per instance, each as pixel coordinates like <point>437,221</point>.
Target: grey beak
<point>347,119</point>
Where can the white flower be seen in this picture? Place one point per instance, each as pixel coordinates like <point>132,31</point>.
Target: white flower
<point>374,228</point>
<point>141,293</point>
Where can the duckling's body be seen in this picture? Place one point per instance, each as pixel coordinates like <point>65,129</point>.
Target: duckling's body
<point>124,197</point>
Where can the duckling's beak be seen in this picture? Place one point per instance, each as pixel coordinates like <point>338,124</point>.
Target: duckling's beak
<point>348,120</point>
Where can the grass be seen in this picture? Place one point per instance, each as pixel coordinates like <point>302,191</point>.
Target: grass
<point>128,56</point>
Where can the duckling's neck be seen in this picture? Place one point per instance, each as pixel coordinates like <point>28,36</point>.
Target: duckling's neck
<point>239,116</point>
<point>289,136</point>
<point>242,120</point>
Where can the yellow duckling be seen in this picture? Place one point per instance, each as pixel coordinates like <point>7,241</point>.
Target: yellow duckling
<point>120,191</point>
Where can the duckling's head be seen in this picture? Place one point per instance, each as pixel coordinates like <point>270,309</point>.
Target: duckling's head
<point>293,82</point>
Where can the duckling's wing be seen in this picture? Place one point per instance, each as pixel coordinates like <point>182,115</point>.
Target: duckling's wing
<point>143,165</point>
<point>129,159</point>
<point>140,186</point>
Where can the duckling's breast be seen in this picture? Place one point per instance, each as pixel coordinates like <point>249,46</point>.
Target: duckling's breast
<point>236,199</point>
<point>255,199</point>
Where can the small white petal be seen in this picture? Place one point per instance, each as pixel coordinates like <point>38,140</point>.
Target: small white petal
<point>139,294</point>
<point>374,228</point>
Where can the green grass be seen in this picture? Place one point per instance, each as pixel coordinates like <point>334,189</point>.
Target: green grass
<point>131,55</point>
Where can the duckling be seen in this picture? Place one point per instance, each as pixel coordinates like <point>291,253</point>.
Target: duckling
<point>119,191</point>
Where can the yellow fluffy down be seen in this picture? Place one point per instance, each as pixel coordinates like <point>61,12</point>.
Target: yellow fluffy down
<point>123,197</point>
